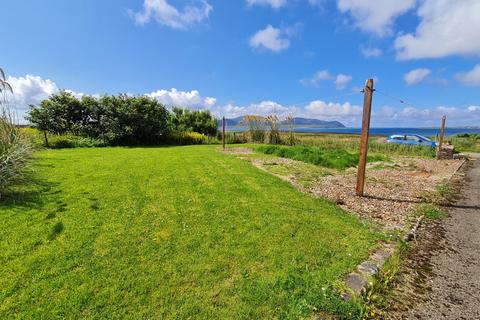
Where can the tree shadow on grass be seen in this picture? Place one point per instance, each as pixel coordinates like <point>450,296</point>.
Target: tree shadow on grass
<point>27,194</point>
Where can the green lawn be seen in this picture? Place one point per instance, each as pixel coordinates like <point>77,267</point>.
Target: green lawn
<point>170,233</point>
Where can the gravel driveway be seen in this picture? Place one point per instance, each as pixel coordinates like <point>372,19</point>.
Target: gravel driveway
<point>444,277</point>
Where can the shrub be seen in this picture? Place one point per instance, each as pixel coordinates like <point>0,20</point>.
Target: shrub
<point>121,119</point>
<point>126,120</point>
<point>193,121</point>
<point>188,138</point>
<point>70,141</point>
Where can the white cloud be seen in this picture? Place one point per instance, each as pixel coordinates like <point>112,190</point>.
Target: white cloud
<point>375,16</point>
<point>167,15</point>
<point>427,116</point>
<point>31,90</point>
<point>317,78</point>
<point>469,78</point>
<point>275,4</point>
<point>474,109</point>
<point>342,81</point>
<point>447,27</point>
<point>262,108</point>
<point>274,39</point>
<point>371,52</point>
<point>416,76</point>
<point>186,99</point>
<point>333,110</point>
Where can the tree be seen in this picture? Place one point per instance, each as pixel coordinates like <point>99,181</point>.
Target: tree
<point>59,114</point>
<point>200,121</point>
<point>132,120</point>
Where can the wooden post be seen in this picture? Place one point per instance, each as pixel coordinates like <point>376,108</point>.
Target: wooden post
<point>367,111</point>
<point>223,132</point>
<point>442,134</point>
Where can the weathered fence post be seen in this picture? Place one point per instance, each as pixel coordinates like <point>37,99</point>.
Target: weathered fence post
<point>367,111</point>
<point>223,132</point>
<point>442,134</point>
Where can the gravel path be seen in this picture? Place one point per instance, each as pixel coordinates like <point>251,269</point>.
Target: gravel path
<point>446,269</point>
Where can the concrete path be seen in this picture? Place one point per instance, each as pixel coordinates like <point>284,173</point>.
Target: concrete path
<point>446,284</point>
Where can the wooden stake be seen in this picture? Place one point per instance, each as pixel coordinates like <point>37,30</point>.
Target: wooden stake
<point>442,134</point>
<point>362,162</point>
<point>223,132</point>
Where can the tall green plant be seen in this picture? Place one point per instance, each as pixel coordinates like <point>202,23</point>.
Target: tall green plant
<point>14,147</point>
<point>255,127</point>
<point>274,129</point>
<point>291,140</point>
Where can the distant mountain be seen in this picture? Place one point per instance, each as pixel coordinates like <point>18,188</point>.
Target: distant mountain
<point>299,122</point>
<point>316,123</point>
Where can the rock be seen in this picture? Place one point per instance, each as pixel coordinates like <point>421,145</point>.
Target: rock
<point>356,282</point>
<point>381,256</point>
<point>368,267</point>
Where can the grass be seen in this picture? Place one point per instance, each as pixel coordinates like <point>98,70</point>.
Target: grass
<point>431,211</point>
<point>466,142</point>
<point>351,143</point>
<point>324,157</point>
<point>379,293</point>
<point>171,233</point>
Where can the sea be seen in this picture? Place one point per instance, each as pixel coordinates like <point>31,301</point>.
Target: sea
<point>428,132</point>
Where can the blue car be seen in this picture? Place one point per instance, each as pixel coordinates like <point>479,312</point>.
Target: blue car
<point>411,139</point>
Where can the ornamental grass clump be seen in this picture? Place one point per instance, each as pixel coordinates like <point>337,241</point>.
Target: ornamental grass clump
<point>15,149</point>
<point>255,128</point>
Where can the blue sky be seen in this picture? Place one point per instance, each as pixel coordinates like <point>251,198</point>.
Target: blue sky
<point>302,57</point>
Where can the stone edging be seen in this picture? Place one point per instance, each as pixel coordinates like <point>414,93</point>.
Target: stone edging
<point>358,280</point>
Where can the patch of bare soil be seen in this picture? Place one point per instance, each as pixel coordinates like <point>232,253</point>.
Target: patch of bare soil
<point>440,276</point>
<point>391,192</point>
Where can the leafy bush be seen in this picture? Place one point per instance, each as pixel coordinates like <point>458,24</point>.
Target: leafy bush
<point>337,159</point>
<point>126,120</point>
<point>188,138</point>
<point>117,120</point>
<point>70,141</point>
<point>193,121</point>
